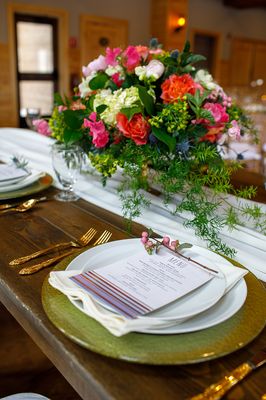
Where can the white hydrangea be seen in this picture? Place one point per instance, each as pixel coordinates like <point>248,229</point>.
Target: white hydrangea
<point>115,101</point>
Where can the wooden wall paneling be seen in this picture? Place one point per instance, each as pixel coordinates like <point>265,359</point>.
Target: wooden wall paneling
<point>164,15</point>
<point>6,109</point>
<point>259,66</point>
<point>242,52</point>
<point>224,73</point>
<point>159,9</point>
<point>97,33</point>
<point>176,39</point>
<point>63,35</point>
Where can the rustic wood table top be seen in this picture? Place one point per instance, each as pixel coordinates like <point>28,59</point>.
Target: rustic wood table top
<point>94,376</point>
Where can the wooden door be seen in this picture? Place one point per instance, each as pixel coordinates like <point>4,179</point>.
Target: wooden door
<point>97,33</point>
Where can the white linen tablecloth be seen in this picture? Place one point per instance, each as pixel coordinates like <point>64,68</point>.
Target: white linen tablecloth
<point>250,245</point>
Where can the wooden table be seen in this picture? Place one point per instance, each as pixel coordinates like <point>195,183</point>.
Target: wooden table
<point>94,376</point>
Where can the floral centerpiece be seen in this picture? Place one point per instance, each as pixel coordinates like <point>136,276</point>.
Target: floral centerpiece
<point>156,116</point>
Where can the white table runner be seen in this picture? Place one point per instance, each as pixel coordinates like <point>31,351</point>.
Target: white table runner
<point>250,245</point>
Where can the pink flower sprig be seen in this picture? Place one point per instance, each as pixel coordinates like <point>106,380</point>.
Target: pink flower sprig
<point>152,245</point>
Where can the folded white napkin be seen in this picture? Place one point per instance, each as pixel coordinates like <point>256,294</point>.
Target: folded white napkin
<point>117,324</point>
<point>24,183</point>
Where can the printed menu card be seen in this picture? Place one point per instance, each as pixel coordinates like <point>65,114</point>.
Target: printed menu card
<point>140,284</point>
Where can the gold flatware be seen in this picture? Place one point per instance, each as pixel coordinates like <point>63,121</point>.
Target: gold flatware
<point>217,390</point>
<point>104,238</point>
<point>83,241</point>
<point>6,206</point>
<point>27,205</point>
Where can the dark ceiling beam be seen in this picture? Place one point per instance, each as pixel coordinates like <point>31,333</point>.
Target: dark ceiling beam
<point>241,4</point>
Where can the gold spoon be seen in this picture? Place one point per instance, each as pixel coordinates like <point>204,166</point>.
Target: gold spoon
<point>6,206</point>
<point>27,205</point>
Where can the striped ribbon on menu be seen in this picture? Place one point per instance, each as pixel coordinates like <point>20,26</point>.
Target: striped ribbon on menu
<point>140,284</point>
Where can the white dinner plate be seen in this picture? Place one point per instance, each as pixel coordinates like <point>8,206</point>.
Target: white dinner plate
<point>22,183</point>
<point>224,309</point>
<point>189,305</point>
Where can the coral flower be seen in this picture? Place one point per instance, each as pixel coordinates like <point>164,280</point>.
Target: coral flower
<point>176,87</point>
<point>136,129</point>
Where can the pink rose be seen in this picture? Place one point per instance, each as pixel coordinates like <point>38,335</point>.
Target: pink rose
<point>131,58</point>
<point>100,135</point>
<point>42,127</point>
<point>234,131</point>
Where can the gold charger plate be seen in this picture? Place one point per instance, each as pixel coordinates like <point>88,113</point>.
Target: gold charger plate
<point>185,348</point>
<point>39,185</point>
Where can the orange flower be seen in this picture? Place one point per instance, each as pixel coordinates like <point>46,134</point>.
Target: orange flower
<point>176,87</point>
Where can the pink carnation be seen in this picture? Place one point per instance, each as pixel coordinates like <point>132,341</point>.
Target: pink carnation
<point>42,127</point>
<point>100,136</point>
<point>111,56</point>
<point>131,58</point>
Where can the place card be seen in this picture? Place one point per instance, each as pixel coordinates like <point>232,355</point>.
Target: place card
<point>10,172</point>
<point>141,284</point>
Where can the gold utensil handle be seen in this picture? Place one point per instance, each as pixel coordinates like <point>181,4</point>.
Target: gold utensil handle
<point>44,264</point>
<point>8,210</point>
<point>217,390</point>
<point>22,260</point>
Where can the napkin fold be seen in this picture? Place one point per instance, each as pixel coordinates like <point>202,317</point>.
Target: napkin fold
<point>117,324</point>
<point>35,175</point>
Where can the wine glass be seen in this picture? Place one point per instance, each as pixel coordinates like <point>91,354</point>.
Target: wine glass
<point>31,115</point>
<point>67,161</point>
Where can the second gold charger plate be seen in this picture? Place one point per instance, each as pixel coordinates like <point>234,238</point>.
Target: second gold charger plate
<point>185,348</point>
<point>39,185</point>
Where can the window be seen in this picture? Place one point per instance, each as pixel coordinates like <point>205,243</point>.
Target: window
<point>37,76</point>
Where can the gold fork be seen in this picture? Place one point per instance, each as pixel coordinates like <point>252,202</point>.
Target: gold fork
<point>81,242</point>
<point>104,238</point>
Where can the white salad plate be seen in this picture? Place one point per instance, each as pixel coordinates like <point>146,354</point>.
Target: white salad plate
<point>10,175</point>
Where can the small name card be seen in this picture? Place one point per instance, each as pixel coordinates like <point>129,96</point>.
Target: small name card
<point>138,285</point>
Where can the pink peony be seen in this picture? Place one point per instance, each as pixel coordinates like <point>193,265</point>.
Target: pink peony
<point>234,131</point>
<point>131,58</point>
<point>111,56</point>
<point>100,136</point>
<point>42,127</point>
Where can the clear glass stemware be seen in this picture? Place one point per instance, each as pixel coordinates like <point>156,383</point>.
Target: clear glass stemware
<point>67,161</point>
<point>31,115</point>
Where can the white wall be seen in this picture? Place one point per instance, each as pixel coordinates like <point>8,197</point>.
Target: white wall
<point>212,15</point>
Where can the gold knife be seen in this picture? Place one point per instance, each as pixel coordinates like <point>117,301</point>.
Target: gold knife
<point>217,390</point>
